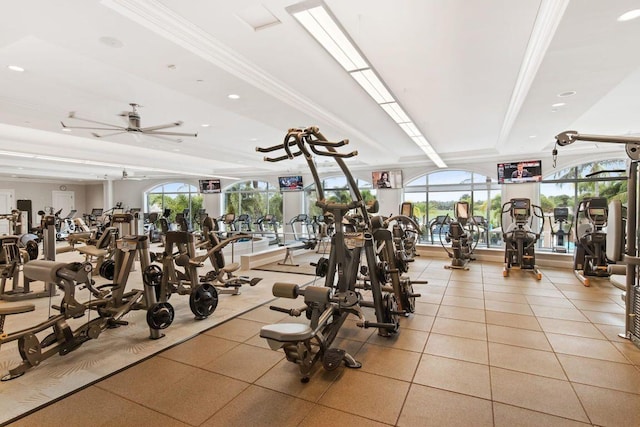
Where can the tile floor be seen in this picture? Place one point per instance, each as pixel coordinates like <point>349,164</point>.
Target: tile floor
<point>481,350</point>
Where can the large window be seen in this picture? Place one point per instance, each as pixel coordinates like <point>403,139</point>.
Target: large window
<point>255,198</point>
<point>176,196</point>
<point>567,187</point>
<point>434,195</point>
<point>336,190</point>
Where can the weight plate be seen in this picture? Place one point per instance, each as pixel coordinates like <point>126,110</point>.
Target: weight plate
<point>160,315</point>
<point>32,249</point>
<point>203,300</point>
<point>29,348</point>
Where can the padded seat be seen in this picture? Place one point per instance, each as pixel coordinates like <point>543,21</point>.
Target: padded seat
<point>286,332</point>
<point>16,309</point>
<point>230,268</point>
<point>43,270</point>
<point>93,251</point>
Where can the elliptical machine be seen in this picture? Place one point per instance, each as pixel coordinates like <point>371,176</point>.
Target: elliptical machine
<point>560,216</point>
<point>460,235</point>
<point>519,239</point>
<point>589,257</point>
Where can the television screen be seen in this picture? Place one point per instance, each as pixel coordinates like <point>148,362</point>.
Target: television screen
<point>208,186</point>
<point>519,172</point>
<point>387,179</point>
<point>290,183</point>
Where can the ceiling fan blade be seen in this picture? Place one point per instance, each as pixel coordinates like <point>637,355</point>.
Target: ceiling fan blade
<point>164,138</point>
<point>109,134</point>
<point>158,127</point>
<point>72,115</point>
<point>89,127</point>
<point>170,133</point>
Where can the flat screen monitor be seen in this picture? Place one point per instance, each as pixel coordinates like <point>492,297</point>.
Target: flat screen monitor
<point>387,179</point>
<point>208,186</point>
<point>96,212</point>
<point>290,183</point>
<point>596,212</point>
<point>520,172</point>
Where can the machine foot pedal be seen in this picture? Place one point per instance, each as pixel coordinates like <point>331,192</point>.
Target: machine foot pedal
<point>332,358</point>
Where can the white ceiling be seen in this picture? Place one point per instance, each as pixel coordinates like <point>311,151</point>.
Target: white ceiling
<point>478,78</point>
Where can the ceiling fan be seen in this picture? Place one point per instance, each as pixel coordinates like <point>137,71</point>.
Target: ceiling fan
<point>133,126</point>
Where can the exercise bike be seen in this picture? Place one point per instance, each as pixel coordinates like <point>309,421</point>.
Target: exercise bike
<point>589,257</point>
<point>560,216</point>
<point>519,239</point>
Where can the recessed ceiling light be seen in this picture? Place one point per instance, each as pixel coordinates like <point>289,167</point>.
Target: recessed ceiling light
<point>532,136</point>
<point>567,93</point>
<point>66,130</point>
<point>15,68</point>
<point>111,42</point>
<point>628,16</point>
<point>234,96</point>
<point>253,139</point>
<point>559,104</point>
<point>553,110</point>
<point>205,125</point>
<point>177,150</point>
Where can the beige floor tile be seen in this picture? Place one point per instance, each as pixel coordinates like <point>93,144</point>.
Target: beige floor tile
<point>350,331</point>
<point>264,315</point>
<point>509,416</point>
<point>429,298</point>
<point>586,347</point>
<point>470,276</point>
<point>549,291</point>
<point>427,406</point>
<point>257,406</point>
<point>244,362</point>
<point>536,362</point>
<point>417,322</point>
<point>549,301</point>
<point>506,297</point>
<point>177,396</point>
<point>321,416</point>
<point>513,320</point>
<point>609,307</point>
<point>629,350</point>
<point>199,350</point>
<point>585,294</point>
<point>609,407</point>
<point>548,395</point>
<point>370,396</point>
<point>508,307</point>
<point>518,337</point>
<point>459,328</point>
<point>406,339</point>
<point>426,308</point>
<point>616,319</point>
<point>570,327</point>
<point>460,301</point>
<point>236,330</point>
<point>559,313</point>
<point>457,348</point>
<point>601,373</point>
<point>96,407</point>
<point>611,332</point>
<point>462,292</point>
<point>454,375</point>
<point>258,341</point>
<point>285,378</point>
<point>388,362</point>
<point>462,313</point>
<point>474,285</point>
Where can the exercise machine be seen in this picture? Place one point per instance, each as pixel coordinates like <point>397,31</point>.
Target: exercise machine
<point>12,260</point>
<point>589,257</point>
<point>519,239</point>
<point>461,237</point>
<point>631,256</point>
<point>329,306</point>
<point>560,236</point>
<point>439,224</point>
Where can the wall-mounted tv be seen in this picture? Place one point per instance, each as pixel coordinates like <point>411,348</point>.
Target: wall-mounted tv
<point>290,183</point>
<point>519,172</point>
<point>387,179</point>
<point>208,186</point>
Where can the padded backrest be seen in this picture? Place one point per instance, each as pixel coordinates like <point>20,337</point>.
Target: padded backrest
<point>615,231</point>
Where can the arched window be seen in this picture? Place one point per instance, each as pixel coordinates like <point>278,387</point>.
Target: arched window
<point>434,195</point>
<point>178,197</point>
<point>255,198</point>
